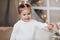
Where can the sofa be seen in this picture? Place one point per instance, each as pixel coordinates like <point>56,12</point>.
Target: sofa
<point>5,33</point>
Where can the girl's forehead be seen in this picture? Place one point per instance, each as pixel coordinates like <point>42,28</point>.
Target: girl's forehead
<point>27,10</point>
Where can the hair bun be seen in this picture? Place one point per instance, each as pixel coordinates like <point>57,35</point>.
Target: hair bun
<point>24,2</point>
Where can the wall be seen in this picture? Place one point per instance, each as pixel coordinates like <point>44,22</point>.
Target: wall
<point>3,4</point>
<point>12,14</point>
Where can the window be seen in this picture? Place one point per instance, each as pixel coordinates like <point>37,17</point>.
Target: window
<point>51,8</point>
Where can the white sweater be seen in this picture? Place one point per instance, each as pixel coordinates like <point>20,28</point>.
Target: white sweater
<point>59,31</point>
<point>25,30</point>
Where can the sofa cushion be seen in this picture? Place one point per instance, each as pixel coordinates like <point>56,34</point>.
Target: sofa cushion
<point>5,33</point>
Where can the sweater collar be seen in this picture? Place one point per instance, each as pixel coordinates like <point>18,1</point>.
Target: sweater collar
<point>24,21</point>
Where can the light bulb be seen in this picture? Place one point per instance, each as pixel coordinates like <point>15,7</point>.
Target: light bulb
<point>57,0</point>
<point>26,1</point>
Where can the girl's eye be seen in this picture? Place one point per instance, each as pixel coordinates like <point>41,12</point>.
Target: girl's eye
<point>27,5</point>
<point>28,13</point>
<point>24,14</point>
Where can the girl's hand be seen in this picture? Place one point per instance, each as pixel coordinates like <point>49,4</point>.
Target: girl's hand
<point>50,26</point>
<point>55,27</point>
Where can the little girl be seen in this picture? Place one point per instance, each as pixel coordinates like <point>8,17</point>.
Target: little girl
<point>24,29</point>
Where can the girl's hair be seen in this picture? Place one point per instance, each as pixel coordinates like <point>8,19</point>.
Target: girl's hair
<point>22,6</point>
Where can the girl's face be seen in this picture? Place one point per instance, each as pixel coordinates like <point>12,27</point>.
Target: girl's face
<point>26,15</point>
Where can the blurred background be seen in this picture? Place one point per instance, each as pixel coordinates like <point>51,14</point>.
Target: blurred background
<point>42,10</point>
<point>8,12</point>
<point>45,11</point>
<point>9,15</point>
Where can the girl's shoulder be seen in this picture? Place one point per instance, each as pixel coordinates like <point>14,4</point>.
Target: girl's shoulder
<point>17,23</point>
<point>38,22</point>
<point>35,21</point>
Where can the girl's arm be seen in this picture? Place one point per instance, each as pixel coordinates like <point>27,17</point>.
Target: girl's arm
<point>42,26</point>
<point>13,35</point>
